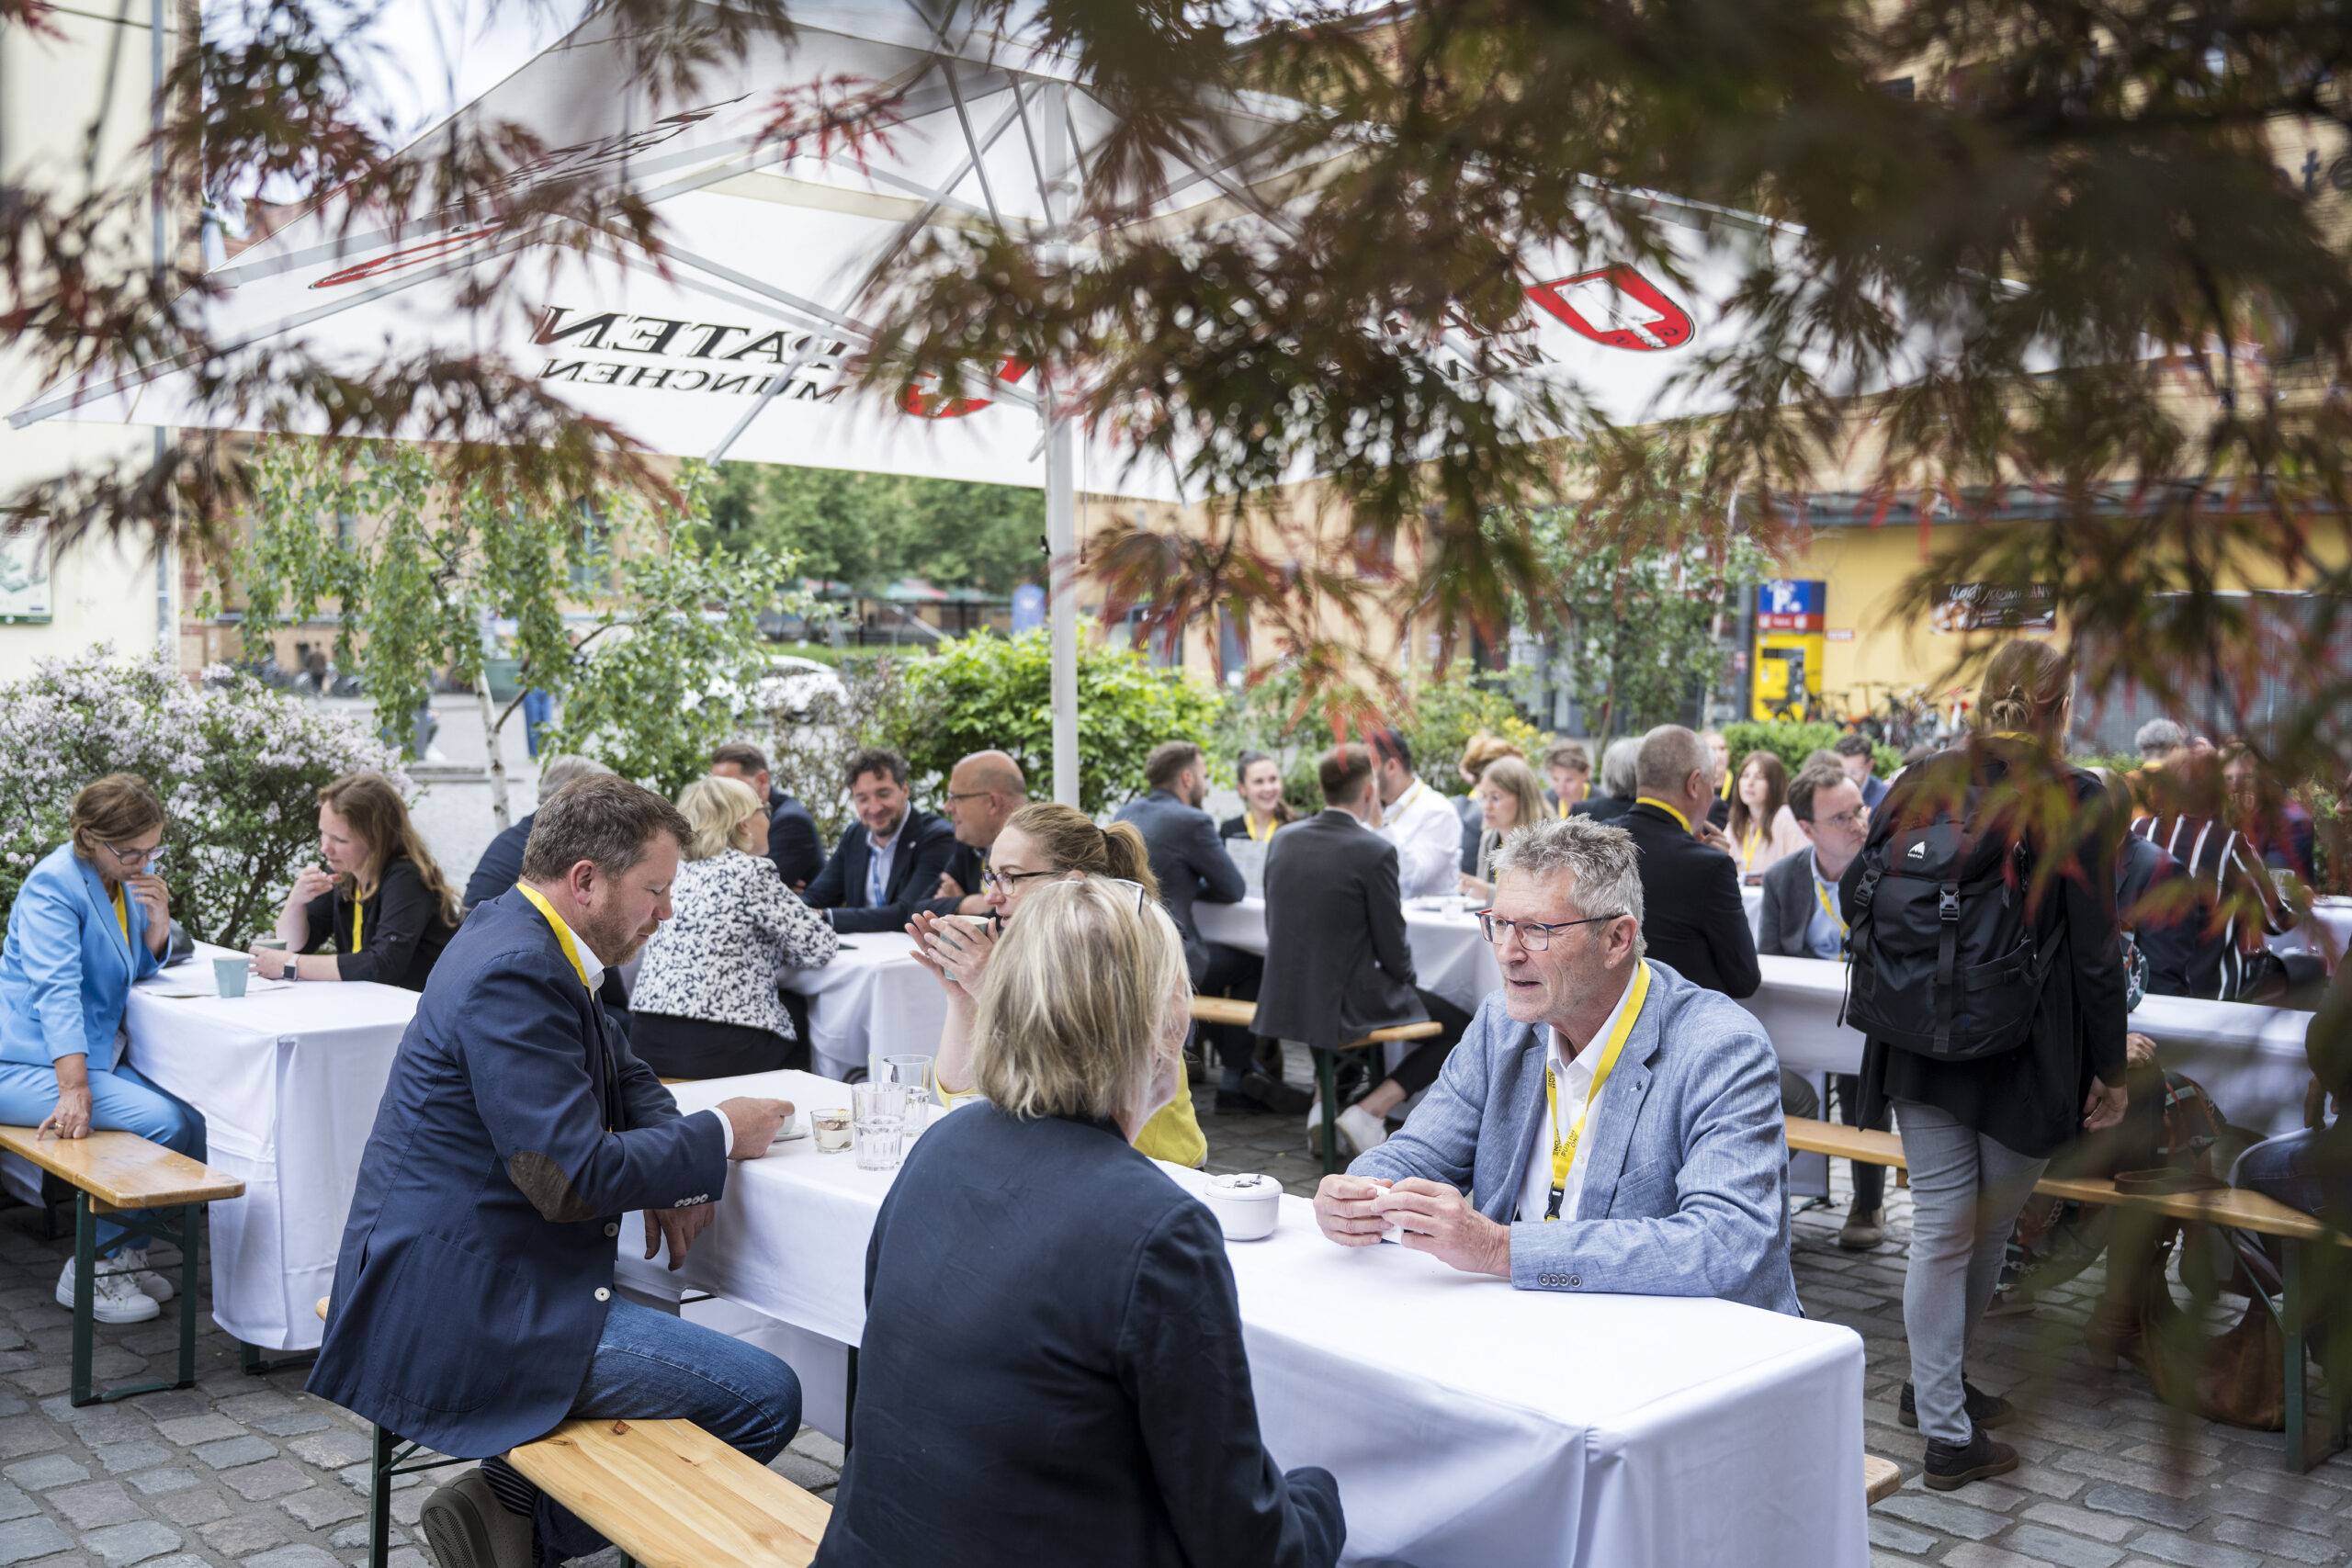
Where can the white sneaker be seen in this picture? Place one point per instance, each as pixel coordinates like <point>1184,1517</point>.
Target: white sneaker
<point>113,1298</point>
<point>1361,1129</point>
<point>1315,1129</point>
<point>153,1286</point>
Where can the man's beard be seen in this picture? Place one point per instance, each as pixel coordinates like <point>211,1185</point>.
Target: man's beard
<point>613,940</point>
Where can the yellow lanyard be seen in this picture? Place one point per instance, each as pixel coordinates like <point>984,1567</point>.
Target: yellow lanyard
<point>1821,896</point>
<point>122,915</point>
<point>1564,808</point>
<point>358,922</point>
<point>1653,800</point>
<point>1563,1150</point>
<point>562,931</point>
<point>1249,824</point>
<point>1748,844</point>
<point>1406,800</point>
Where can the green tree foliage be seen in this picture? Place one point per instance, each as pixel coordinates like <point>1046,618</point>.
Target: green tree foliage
<point>987,690</point>
<point>1793,743</point>
<point>869,530</point>
<point>1279,715</point>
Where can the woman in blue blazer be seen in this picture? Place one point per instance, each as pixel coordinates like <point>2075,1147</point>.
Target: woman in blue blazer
<point>92,919</point>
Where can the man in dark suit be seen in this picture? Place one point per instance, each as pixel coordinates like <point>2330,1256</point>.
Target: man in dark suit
<point>472,1306</point>
<point>982,791</point>
<point>1804,919</point>
<point>1189,862</point>
<point>793,843</point>
<point>1336,962</point>
<point>1855,756</point>
<point>502,863</point>
<point>889,862</point>
<point>1694,921</point>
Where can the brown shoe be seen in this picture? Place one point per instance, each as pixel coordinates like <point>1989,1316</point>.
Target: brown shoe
<point>1863,1230</point>
<point>466,1527</point>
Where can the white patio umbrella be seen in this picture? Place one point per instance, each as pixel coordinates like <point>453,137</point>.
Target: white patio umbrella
<point>735,342</point>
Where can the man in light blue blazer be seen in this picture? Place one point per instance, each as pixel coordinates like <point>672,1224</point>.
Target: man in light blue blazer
<point>1605,1126</point>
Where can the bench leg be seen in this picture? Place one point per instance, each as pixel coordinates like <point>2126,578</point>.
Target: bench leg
<point>85,1284</point>
<point>1327,1080</point>
<point>189,1213</point>
<point>379,1500</point>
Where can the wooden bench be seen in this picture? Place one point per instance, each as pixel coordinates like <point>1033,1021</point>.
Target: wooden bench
<point>124,1176</point>
<point>670,1495</point>
<point>2229,1208</point>
<point>1882,1478</point>
<point>1244,1015</point>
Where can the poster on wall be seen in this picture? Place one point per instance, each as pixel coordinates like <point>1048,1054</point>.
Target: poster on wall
<point>1985,606</point>
<point>24,572</point>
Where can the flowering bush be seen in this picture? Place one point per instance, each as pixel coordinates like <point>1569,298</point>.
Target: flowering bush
<point>239,767</point>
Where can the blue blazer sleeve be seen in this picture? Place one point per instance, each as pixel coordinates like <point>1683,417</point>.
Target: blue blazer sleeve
<point>529,1073</point>
<point>794,846</point>
<point>1183,1364</point>
<point>1221,881</point>
<point>46,923</point>
<point>931,851</point>
<point>825,891</point>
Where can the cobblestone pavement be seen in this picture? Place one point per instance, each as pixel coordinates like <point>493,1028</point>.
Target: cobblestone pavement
<point>252,1471</point>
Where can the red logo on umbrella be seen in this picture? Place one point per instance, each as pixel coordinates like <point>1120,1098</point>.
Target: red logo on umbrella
<point>924,400</point>
<point>1617,308</point>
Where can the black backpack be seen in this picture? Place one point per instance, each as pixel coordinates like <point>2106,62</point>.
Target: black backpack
<point>1945,961</point>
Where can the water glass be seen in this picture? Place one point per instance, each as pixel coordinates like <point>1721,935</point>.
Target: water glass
<point>911,1073</point>
<point>878,1114</point>
<point>230,975</point>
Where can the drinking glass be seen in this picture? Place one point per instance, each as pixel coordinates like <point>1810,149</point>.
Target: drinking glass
<point>877,1115</point>
<point>912,1073</point>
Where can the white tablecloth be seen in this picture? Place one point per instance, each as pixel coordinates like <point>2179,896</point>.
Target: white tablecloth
<point>1467,1423</point>
<point>872,997</point>
<point>288,1081</point>
<point>2250,1059</point>
<point>1449,955</point>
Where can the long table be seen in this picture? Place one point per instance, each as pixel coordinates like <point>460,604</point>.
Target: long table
<point>289,1080</point>
<point>1449,955</point>
<point>2250,1059</point>
<point>1467,1423</point>
<point>872,997</point>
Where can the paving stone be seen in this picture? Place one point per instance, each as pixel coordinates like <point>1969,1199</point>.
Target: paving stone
<point>184,1560</point>
<point>409,1505</point>
<point>1892,1537</point>
<point>410,1557</point>
<point>2175,1513</point>
<point>199,1505</point>
<point>2058,1547</point>
<point>14,1504</point>
<point>819,1446</point>
<point>294,1422</point>
<point>260,1483</point>
<point>242,1534</point>
<point>2080,1521</point>
<point>139,1454</point>
<point>48,1471</point>
<point>331,1450</point>
<point>2191,1552</point>
<point>97,1503</point>
<point>21,1540</point>
<point>27,1435</point>
<point>2271,1541</point>
<point>1976,1554</point>
<point>122,1544</point>
<point>247,1408</point>
<point>163,1478</point>
<point>318,1506</point>
<point>2130,1473</point>
<point>297,1556</point>
<point>204,1428</point>
<point>232,1452</point>
<point>1943,1513</point>
<point>803,1471</point>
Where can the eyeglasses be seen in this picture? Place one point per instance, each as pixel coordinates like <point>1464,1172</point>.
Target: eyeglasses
<point>1856,818</point>
<point>1009,882</point>
<point>136,857</point>
<point>1533,935</point>
<point>1123,882</point>
<point>969,795</point>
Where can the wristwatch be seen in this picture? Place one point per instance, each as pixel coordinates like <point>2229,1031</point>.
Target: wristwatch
<point>293,970</point>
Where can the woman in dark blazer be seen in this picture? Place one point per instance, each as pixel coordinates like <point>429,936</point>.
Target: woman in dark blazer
<point>379,908</point>
<point>1977,1132</point>
<point>1053,1367</point>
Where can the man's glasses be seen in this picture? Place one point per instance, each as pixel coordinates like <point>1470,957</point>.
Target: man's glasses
<point>137,857</point>
<point>1533,935</point>
<point>969,795</point>
<point>1856,818</point>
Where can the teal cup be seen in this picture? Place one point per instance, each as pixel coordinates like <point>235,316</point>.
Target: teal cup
<point>228,975</point>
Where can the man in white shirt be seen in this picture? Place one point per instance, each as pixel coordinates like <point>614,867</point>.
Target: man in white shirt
<point>1605,1126</point>
<point>1417,819</point>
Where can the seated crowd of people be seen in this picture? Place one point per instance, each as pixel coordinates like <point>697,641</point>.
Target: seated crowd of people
<point>1608,1120</point>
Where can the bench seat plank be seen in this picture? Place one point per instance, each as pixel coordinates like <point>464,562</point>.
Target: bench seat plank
<point>1880,1478</point>
<point>670,1495</point>
<point>122,1170</point>
<point>1224,1010</point>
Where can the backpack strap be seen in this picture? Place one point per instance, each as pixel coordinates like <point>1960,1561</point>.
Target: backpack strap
<point>1947,963</point>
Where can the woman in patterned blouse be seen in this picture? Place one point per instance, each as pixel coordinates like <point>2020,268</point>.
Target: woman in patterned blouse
<point>705,1005</point>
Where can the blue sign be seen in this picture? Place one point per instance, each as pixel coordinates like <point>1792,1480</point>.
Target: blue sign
<point>1791,604</point>
<point>1028,608</point>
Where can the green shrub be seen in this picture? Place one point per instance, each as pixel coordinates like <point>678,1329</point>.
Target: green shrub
<point>1793,743</point>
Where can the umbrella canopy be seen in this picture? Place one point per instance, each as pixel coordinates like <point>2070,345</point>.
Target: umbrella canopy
<point>738,340</point>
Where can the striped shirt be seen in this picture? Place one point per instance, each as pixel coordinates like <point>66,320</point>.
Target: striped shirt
<point>2237,903</point>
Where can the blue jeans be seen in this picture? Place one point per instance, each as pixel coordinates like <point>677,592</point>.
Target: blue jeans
<point>2288,1167</point>
<point>120,1100</point>
<point>649,1366</point>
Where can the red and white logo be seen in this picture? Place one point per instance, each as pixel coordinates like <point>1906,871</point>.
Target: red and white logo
<point>1617,308</point>
<point>441,248</point>
<point>923,399</point>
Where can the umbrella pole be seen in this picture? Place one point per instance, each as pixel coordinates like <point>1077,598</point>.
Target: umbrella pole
<point>1061,501</point>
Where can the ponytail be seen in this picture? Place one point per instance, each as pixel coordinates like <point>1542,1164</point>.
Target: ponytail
<point>2024,690</point>
<point>1125,855</point>
<point>1069,838</point>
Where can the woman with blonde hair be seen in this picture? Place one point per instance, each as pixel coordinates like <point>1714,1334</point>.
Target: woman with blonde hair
<point>1762,829</point>
<point>1080,1300</point>
<point>1040,844</point>
<point>704,1005</point>
<point>380,906</point>
<point>91,918</point>
<point>1981,1118</point>
<point>1508,798</point>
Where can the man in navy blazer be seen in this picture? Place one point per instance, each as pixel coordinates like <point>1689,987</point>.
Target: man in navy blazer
<point>473,1305</point>
<point>889,864</point>
<point>1605,1126</point>
<point>793,845</point>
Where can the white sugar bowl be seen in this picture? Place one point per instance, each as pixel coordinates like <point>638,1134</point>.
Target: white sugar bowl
<point>1246,1206</point>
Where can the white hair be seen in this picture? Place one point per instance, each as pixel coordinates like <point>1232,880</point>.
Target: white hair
<point>1603,867</point>
<point>1618,772</point>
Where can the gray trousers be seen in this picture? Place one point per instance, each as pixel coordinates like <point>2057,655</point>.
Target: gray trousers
<point>1966,1191</point>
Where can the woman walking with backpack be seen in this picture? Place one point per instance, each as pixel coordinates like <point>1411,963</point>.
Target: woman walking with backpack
<point>1987,977</point>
